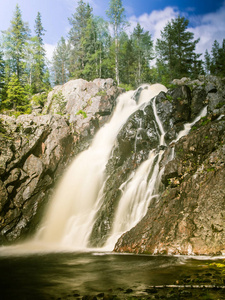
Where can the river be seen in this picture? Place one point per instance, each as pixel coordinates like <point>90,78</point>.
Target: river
<point>104,276</point>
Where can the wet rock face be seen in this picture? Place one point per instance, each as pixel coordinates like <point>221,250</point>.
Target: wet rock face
<point>139,135</point>
<point>35,149</point>
<point>188,217</point>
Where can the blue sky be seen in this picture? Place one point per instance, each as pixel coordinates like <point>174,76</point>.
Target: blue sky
<point>207,17</point>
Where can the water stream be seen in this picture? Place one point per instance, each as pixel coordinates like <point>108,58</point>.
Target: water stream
<point>69,218</point>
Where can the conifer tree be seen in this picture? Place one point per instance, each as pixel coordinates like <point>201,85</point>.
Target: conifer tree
<point>39,67</point>
<point>143,52</point>
<point>16,95</point>
<point>176,50</point>
<point>61,62</point>
<point>2,78</point>
<point>15,40</point>
<point>78,38</point>
<point>207,61</point>
<point>217,66</point>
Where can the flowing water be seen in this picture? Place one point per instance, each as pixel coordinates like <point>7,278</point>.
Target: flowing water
<point>52,266</point>
<point>70,217</point>
<point>74,275</point>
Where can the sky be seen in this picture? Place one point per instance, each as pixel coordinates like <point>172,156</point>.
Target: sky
<point>206,17</point>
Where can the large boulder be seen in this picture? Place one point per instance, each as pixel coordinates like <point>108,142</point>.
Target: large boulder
<point>86,105</point>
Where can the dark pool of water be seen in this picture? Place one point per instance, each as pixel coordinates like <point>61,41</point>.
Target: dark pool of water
<point>55,275</point>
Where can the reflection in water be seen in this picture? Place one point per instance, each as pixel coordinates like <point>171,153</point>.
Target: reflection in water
<point>58,275</point>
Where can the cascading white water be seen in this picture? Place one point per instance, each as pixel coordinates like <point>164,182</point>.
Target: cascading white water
<point>69,219</point>
<point>139,190</point>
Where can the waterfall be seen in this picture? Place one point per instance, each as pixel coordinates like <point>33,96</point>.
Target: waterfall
<point>69,218</point>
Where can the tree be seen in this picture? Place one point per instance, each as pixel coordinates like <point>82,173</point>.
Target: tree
<point>207,61</point>
<point>176,50</point>
<point>15,41</point>
<point>117,20</point>
<point>16,95</point>
<point>39,66</point>
<point>2,78</point>
<point>77,38</point>
<point>218,59</point>
<point>143,45</point>
<point>127,60</point>
<point>61,62</point>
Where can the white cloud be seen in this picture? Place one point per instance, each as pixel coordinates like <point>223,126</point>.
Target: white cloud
<point>155,21</point>
<point>210,27</point>
<point>49,50</point>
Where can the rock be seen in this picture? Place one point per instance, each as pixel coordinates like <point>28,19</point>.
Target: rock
<point>35,149</point>
<point>39,146</point>
<point>185,220</point>
<point>87,105</point>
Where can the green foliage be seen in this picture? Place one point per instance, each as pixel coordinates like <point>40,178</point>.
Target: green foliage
<point>117,18</point>
<point>39,99</point>
<point>60,101</point>
<point>101,93</point>
<point>127,87</point>
<point>16,96</point>
<point>15,42</point>
<point>215,64</point>
<point>176,56</point>
<point>40,77</point>
<point>61,57</point>
<point>83,113</point>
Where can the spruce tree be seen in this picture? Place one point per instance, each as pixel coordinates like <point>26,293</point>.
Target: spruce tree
<point>207,62</point>
<point>143,45</point>
<point>39,67</point>
<point>60,62</point>
<point>217,66</point>
<point>15,40</point>
<point>78,38</point>
<point>16,95</point>
<point>176,50</point>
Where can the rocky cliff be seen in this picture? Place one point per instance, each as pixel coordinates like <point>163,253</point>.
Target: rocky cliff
<point>36,148</point>
<point>189,215</point>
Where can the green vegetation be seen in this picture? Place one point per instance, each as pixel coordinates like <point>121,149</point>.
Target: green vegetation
<point>215,63</point>
<point>23,70</point>
<point>83,113</point>
<point>60,101</point>
<point>98,48</point>
<point>101,93</point>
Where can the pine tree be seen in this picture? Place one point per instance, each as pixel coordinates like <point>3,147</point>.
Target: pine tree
<point>128,61</point>
<point>15,41</point>
<point>144,53</point>
<point>207,62</point>
<point>217,66</point>
<point>117,20</point>
<point>77,38</point>
<point>61,62</point>
<point>176,50</point>
<point>39,67</point>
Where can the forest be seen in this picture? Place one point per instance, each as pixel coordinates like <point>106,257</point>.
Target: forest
<point>97,48</point>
